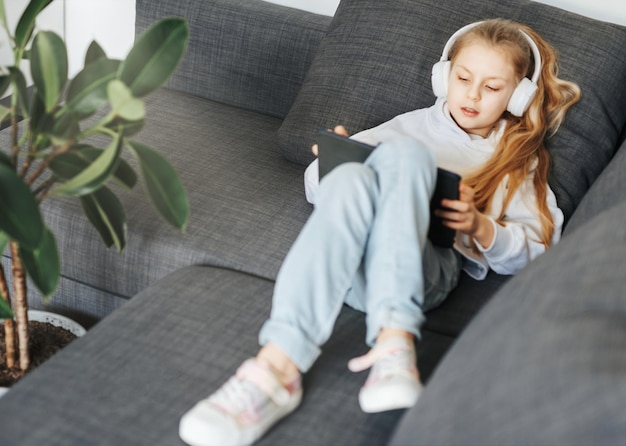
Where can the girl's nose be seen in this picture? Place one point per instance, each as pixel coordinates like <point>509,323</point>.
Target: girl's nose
<point>473,93</point>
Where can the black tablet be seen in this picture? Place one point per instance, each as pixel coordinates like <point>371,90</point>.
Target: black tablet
<point>334,149</point>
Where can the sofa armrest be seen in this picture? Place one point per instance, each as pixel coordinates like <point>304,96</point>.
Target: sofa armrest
<point>247,53</point>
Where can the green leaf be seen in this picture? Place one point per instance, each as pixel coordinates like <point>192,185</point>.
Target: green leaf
<point>5,159</point>
<point>4,113</point>
<point>5,81</point>
<point>155,56</point>
<point>123,103</point>
<point>26,24</point>
<point>87,92</point>
<point>43,264</point>
<point>3,17</point>
<point>163,185</point>
<point>96,174</point>
<point>125,127</point>
<point>94,52</point>
<point>18,81</point>
<point>5,309</point>
<point>4,242</point>
<point>70,164</point>
<point>105,212</point>
<point>20,218</point>
<point>48,66</point>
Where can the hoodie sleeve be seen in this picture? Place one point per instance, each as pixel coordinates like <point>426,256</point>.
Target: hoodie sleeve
<point>311,181</point>
<point>518,240</point>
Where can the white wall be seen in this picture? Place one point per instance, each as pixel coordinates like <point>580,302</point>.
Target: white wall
<point>608,10</point>
<point>110,22</point>
<point>52,19</point>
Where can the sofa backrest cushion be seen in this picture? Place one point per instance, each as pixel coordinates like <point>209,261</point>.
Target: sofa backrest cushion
<point>376,59</point>
<point>246,53</point>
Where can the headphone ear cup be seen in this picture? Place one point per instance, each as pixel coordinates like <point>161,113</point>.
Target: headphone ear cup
<point>522,97</point>
<point>439,78</point>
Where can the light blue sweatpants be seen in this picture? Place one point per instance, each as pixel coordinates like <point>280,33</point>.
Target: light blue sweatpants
<point>365,245</point>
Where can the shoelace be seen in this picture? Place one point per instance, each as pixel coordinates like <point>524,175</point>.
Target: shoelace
<point>390,357</point>
<point>249,390</point>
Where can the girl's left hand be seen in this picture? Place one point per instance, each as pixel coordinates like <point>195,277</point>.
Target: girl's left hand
<point>463,216</point>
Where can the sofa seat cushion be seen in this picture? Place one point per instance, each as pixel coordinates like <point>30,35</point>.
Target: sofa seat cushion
<point>543,363</point>
<point>131,377</point>
<point>376,59</point>
<point>246,201</point>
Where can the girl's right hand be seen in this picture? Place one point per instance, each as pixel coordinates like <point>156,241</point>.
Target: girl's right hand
<point>339,129</point>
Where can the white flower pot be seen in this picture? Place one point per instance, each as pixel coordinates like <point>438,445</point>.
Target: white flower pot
<point>54,319</point>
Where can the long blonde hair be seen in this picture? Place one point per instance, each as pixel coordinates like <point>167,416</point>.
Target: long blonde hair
<point>521,150</point>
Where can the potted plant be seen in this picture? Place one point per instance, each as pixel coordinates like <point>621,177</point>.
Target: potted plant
<point>52,151</point>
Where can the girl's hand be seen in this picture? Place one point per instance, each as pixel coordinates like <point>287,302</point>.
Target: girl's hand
<point>463,216</point>
<point>340,130</point>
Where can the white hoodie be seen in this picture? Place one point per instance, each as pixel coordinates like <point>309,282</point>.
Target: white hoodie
<point>517,242</point>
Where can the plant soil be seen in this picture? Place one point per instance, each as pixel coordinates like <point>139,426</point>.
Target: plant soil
<point>45,341</point>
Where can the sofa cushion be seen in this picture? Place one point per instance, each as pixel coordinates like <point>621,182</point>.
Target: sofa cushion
<point>131,377</point>
<point>246,53</point>
<point>606,192</point>
<point>376,59</point>
<point>246,201</point>
<point>543,363</point>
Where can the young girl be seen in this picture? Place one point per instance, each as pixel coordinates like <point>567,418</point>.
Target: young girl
<point>366,242</point>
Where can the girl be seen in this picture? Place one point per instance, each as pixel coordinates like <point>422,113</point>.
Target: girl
<point>366,242</point>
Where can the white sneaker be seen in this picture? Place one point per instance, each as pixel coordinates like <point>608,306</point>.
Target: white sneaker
<point>393,382</point>
<point>242,410</point>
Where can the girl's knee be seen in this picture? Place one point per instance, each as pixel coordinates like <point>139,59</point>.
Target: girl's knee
<point>347,179</point>
<point>407,150</point>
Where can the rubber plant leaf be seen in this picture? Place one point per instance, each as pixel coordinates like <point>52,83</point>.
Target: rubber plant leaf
<point>163,185</point>
<point>26,24</point>
<point>106,213</point>
<point>20,218</point>
<point>94,52</point>
<point>87,92</point>
<point>5,309</point>
<point>5,81</point>
<point>43,264</point>
<point>3,17</point>
<point>5,159</point>
<point>96,174</point>
<point>70,164</point>
<point>18,81</point>
<point>48,67</point>
<point>155,56</point>
<point>123,103</point>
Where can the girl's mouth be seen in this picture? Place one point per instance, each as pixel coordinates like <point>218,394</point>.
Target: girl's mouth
<point>469,111</point>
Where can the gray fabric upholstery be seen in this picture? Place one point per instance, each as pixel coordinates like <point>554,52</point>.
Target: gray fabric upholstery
<point>246,53</point>
<point>544,362</point>
<point>376,59</point>
<point>606,192</point>
<point>247,202</point>
<point>132,376</point>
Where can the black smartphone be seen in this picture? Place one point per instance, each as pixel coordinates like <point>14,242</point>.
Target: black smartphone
<point>334,149</point>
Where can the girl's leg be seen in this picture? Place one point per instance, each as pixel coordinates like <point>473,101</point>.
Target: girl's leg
<point>321,265</point>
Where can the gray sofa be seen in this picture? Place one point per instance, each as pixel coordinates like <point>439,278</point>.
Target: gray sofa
<point>536,359</point>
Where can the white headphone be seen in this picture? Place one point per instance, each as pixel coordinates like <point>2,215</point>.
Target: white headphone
<point>524,92</point>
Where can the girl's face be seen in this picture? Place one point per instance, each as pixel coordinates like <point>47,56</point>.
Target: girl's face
<point>482,80</point>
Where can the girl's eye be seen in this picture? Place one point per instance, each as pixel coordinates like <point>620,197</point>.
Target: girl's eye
<point>463,79</point>
<point>490,88</point>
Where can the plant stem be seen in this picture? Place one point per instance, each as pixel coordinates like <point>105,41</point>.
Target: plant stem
<point>9,324</point>
<point>44,164</point>
<point>20,306</point>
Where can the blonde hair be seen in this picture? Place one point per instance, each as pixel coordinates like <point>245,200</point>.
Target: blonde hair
<point>521,150</point>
